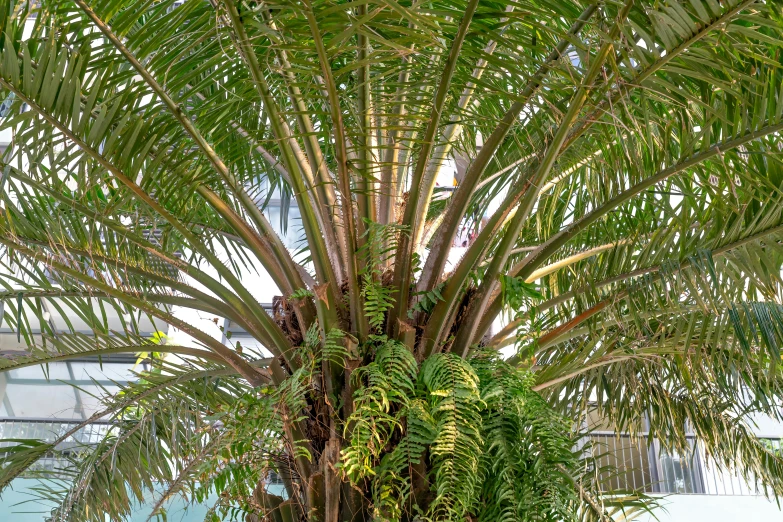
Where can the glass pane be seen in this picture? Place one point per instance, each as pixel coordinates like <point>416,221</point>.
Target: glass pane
<point>679,473</point>
<point>293,234</point>
<point>91,396</point>
<point>42,400</point>
<point>54,371</point>
<point>84,371</point>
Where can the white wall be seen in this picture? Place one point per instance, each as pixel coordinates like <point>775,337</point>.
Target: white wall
<point>715,508</point>
<point>764,426</point>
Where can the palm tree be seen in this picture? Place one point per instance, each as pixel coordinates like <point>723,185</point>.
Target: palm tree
<point>621,207</point>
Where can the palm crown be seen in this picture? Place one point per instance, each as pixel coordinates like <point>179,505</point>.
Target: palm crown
<point>625,202</point>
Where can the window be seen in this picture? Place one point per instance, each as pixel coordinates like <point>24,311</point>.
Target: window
<point>5,106</point>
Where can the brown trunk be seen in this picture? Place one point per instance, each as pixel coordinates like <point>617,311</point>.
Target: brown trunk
<point>354,508</point>
<point>315,494</point>
<point>420,484</point>
<point>329,461</point>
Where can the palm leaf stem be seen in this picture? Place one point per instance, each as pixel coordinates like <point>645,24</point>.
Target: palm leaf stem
<point>315,217</point>
<point>450,133</point>
<point>458,203</point>
<point>413,220</point>
<point>241,311</point>
<point>528,265</point>
<point>468,330</point>
<point>358,321</point>
<point>556,334</point>
<point>233,359</point>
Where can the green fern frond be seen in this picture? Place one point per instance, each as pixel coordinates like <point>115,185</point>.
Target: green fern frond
<point>527,448</point>
<point>426,301</point>
<point>383,387</point>
<point>301,293</point>
<point>378,300</point>
<point>334,348</point>
<point>380,245</point>
<point>392,484</point>
<point>454,399</point>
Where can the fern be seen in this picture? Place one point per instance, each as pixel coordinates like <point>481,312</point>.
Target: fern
<point>392,486</point>
<point>383,387</point>
<point>377,301</point>
<point>426,300</point>
<point>334,347</point>
<point>386,404</point>
<point>379,248</point>
<point>400,368</point>
<point>292,393</point>
<point>452,388</point>
<point>381,244</point>
<point>517,293</point>
<point>301,293</point>
<point>527,449</point>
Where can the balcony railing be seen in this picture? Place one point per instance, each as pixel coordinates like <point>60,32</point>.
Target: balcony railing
<point>640,466</point>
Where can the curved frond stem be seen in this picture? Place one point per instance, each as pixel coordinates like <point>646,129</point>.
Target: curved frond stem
<point>625,88</point>
<point>27,361</point>
<point>198,299</point>
<point>232,358</point>
<point>366,189</point>
<point>449,135</point>
<point>557,333</point>
<point>594,503</point>
<point>281,344</point>
<point>504,336</point>
<point>119,406</point>
<point>173,107</point>
<point>393,168</point>
<point>528,265</point>
<point>489,179</point>
<point>243,315</point>
<point>358,321</point>
<point>183,475</point>
<point>458,203</point>
<point>242,306</point>
<point>316,220</point>
<point>258,246</point>
<point>575,258</point>
<point>413,220</point>
<point>285,269</point>
<point>273,161</point>
<point>390,183</point>
<point>439,321</point>
<point>324,182</point>
<point>468,330</point>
